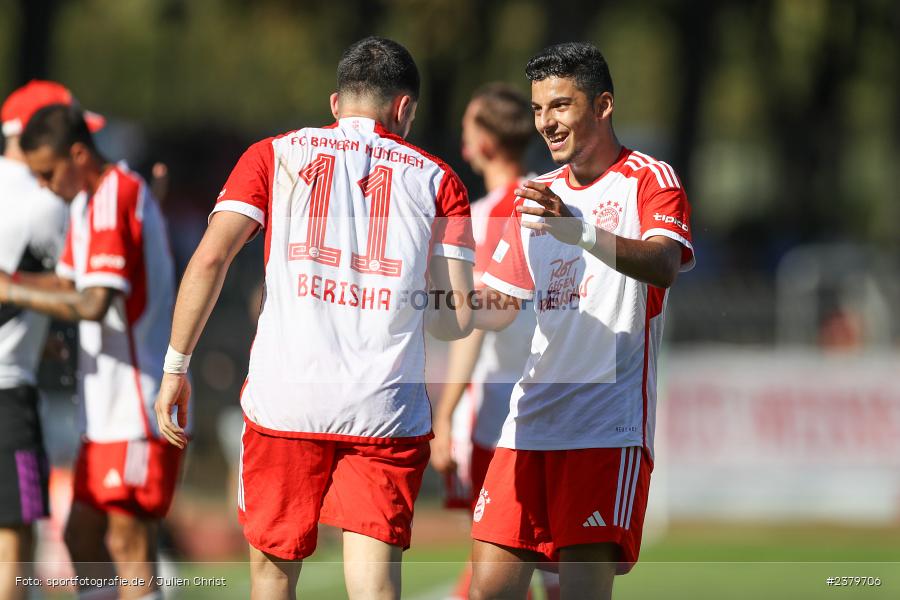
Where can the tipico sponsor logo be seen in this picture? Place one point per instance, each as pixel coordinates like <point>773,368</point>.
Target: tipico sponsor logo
<point>107,261</point>
<point>668,219</point>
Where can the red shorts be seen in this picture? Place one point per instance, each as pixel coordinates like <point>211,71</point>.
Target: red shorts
<point>134,477</point>
<point>546,500</point>
<point>288,485</point>
<point>481,460</point>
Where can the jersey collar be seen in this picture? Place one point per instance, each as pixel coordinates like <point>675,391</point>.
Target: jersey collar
<point>359,123</point>
<point>564,174</point>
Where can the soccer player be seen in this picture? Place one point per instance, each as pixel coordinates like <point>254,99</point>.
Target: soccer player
<point>116,278</point>
<point>32,233</point>
<point>593,247</point>
<point>337,420</point>
<point>483,367</point>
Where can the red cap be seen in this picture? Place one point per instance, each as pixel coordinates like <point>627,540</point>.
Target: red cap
<point>32,97</point>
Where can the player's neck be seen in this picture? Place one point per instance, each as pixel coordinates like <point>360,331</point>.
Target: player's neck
<point>13,151</point>
<point>501,173</point>
<point>365,112</point>
<point>94,173</point>
<point>583,172</point>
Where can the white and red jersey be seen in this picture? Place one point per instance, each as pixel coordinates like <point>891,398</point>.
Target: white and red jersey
<point>352,215</point>
<point>117,240</point>
<point>480,414</point>
<point>590,381</point>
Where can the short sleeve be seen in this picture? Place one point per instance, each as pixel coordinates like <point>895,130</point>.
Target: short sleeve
<point>493,233</point>
<point>452,229</point>
<point>13,242</point>
<point>508,270</point>
<point>112,242</point>
<point>248,188</point>
<point>666,212</point>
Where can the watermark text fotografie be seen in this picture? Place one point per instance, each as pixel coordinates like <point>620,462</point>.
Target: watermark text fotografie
<point>106,582</point>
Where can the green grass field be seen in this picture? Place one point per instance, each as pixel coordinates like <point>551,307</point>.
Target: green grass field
<point>689,562</point>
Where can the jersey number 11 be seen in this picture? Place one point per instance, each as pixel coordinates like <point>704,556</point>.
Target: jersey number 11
<point>376,187</point>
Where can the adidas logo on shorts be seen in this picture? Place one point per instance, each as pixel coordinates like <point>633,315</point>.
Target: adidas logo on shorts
<point>595,520</point>
<point>112,479</point>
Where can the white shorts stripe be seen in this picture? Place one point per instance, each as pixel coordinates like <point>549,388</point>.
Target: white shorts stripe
<point>619,488</point>
<point>137,457</point>
<point>637,469</point>
<point>240,490</point>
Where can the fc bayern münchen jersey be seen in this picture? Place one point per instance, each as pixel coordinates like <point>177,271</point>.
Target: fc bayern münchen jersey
<point>352,215</point>
<point>117,239</point>
<point>590,381</point>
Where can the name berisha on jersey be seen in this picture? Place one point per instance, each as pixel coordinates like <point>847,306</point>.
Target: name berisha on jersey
<point>343,293</point>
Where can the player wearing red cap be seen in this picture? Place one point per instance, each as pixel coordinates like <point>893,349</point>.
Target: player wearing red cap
<point>32,233</point>
<point>116,278</point>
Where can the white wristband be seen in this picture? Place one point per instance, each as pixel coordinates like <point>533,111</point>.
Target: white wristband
<point>588,236</point>
<point>176,362</point>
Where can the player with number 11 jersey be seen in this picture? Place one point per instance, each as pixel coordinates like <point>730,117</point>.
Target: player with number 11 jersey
<point>351,214</point>
<point>363,233</point>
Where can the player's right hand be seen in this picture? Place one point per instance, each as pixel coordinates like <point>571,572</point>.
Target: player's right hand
<point>441,457</point>
<point>174,391</point>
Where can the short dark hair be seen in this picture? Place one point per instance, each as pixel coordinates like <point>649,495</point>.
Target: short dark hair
<point>377,67</point>
<point>58,126</point>
<point>506,114</point>
<point>580,61</point>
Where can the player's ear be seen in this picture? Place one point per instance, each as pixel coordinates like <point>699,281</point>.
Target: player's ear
<point>405,113</point>
<point>603,105</point>
<point>334,105</point>
<point>80,154</point>
<point>488,146</point>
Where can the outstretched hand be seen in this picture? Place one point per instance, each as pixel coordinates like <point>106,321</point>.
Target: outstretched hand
<point>174,390</point>
<point>558,219</point>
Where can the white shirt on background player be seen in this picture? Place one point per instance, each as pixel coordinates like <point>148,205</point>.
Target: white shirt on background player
<point>34,223</point>
<point>591,379</point>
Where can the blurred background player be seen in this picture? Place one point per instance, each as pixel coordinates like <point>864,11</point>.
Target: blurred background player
<point>337,418</point>
<point>482,368</point>
<point>32,233</point>
<point>115,277</point>
<point>594,245</point>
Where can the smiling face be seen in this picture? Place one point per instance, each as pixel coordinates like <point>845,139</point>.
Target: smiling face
<point>58,173</point>
<point>571,124</point>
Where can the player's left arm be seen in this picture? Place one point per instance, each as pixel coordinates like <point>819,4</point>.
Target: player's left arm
<point>58,298</point>
<point>199,291</point>
<point>656,260</point>
<point>450,314</point>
